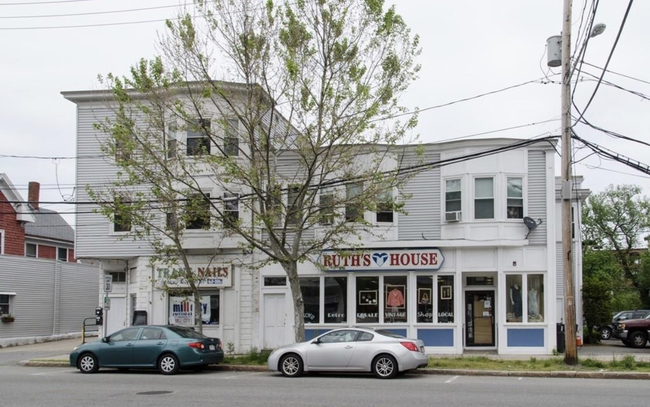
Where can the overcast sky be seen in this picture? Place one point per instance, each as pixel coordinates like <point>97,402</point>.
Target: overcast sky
<point>469,48</point>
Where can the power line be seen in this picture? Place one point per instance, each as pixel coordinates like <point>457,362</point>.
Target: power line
<point>43,2</point>
<point>609,58</point>
<point>87,25</point>
<point>616,73</point>
<point>90,13</point>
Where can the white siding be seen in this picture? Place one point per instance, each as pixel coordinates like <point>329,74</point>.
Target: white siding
<point>537,195</point>
<point>422,218</point>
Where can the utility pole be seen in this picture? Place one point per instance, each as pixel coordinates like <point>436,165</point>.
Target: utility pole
<point>571,351</point>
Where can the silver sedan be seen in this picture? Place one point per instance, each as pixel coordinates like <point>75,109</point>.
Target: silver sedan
<point>351,350</point>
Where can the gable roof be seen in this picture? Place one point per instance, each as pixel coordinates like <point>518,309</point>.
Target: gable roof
<point>50,225</point>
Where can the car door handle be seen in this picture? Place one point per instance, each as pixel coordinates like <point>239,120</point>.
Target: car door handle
<point>349,347</point>
<point>160,343</point>
<point>129,344</point>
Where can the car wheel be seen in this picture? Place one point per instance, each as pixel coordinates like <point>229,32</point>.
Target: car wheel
<point>291,365</point>
<point>385,367</point>
<point>168,364</point>
<point>638,339</point>
<point>88,363</point>
<point>606,333</point>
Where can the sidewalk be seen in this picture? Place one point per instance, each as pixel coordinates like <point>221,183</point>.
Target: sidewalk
<point>605,353</point>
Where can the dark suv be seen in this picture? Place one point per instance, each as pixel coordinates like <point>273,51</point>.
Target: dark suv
<point>633,332</point>
<point>608,331</point>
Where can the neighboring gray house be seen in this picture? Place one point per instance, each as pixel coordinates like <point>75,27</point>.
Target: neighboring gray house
<point>43,290</point>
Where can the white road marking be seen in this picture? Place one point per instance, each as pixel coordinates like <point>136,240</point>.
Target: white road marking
<point>452,379</point>
<point>47,373</point>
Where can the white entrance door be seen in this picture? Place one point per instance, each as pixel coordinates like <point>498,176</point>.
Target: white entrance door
<point>274,321</point>
<point>116,318</point>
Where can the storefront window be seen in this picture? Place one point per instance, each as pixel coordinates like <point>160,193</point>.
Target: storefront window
<point>181,309</point>
<point>336,292</point>
<point>210,305</point>
<point>367,299</point>
<point>535,298</point>
<point>445,293</point>
<point>425,299</point>
<point>395,299</point>
<point>310,287</point>
<point>514,299</point>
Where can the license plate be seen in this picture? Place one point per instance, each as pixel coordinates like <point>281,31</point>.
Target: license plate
<point>212,347</point>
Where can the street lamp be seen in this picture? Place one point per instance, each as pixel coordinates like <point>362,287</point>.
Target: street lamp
<point>559,53</point>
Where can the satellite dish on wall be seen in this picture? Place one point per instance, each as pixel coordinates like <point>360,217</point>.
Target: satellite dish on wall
<point>531,224</point>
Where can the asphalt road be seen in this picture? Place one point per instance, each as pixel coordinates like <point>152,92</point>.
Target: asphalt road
<point>58,387</point>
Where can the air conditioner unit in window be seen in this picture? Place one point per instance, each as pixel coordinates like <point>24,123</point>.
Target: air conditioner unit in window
<point>454,216</point>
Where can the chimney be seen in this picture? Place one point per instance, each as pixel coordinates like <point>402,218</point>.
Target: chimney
<point>33,194</point>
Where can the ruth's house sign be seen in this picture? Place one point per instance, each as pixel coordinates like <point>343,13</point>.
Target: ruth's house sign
<point>387,259</point>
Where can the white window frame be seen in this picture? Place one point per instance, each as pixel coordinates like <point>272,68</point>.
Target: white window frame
<point>328,219</point>
<point>523,196</point>
<point>348,189</point>
<point>197,135</point>
<point>66,253</point>
<point>380,199</point>
<point>230,197</point>
<point>231,132</point>
<point>2,241</point>
<point>10,307</point>
<point>444,196</point>
<point>35,256</point>
<point>475,198</point>
<point>112,224</point>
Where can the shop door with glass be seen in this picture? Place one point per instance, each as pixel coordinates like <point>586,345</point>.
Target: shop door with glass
<point>479,318</point>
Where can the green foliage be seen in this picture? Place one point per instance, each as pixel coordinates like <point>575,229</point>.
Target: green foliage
<point>253,357</point>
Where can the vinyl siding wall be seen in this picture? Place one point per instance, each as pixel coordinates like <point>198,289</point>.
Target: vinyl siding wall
<point>422,217</point>
<point>52,297</point>
<point>537,196</point>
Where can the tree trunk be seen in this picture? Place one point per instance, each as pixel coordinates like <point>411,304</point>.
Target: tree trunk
<point>291,269</point>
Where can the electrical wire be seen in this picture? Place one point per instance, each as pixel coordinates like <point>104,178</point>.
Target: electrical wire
<point>90,13</point>
<point>619,74</point>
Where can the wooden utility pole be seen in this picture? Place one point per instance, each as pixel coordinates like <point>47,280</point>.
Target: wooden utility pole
<point>571,351</point>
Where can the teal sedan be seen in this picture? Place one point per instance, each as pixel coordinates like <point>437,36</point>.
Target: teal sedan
<point>167,348</point>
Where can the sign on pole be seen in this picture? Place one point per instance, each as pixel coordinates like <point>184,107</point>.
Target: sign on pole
<point>107,303</point>
<point>108,283</point>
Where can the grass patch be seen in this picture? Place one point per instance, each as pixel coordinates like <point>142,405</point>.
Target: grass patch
<point>253,357</point>
<point>626,364</point>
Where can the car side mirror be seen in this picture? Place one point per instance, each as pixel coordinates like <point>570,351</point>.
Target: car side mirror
<point>105,339</point>
<point>316,341</point>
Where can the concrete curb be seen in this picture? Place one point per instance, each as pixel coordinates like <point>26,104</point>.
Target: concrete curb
<point>569,374</point>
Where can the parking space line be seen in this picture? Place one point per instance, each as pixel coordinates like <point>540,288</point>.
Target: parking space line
<point>452,379</point>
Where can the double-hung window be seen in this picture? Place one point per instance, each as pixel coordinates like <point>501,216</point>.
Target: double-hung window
<point>62,254</point>
<point>326,203</point>
<point>484,198</point>
<point>231,138</point>
<point>230,210</point>
<point>385,207</point>
<point>198,140</point>
<point>452,195</point>
<point>515,205</point>
<point>121,217</point>
<point>31,250</point>
<point>198,211</point>
<point>293,211</point>
<point>353,208</point>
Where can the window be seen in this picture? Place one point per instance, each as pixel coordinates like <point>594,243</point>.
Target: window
<point>445,294</point>
<point>118,276</point>
<point>230,210</point>
<point>353,209</point>
<point>62,254</point>
<point>395,307</point>
<point>198,140</point>
<point>2,242</point>
<point>128,334</point>
<point>525,305</point>
<point>30,250</point>
<point>425,299</point>
<point>122,218</point>
<point>275,281</point>
<point>326,207</point>
<point>210,308</point>
<point>385,207</point>
<point>5,303</point>
<point>310,288</point>
<point>171,221</point>
<point>294,215</point>
<point>231,138</point>
<point>172,146</point>
<point>452,195</point>
<point>367,299</point>
<point>515,206</point>
<point>339,336</point>
<point>152,333</point>
<point>336,295</point>
<point>121,150</point>
<point>198,211</point>
<point>484,198</point>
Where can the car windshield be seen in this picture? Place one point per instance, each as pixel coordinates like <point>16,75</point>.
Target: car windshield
<point>389,334</point>
<point>187,333</point>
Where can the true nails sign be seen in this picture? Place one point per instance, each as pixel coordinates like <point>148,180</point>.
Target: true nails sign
<point>390,259</point>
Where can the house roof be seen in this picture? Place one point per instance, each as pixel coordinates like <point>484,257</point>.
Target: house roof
<point>49,225</point>
<point>23,210</point>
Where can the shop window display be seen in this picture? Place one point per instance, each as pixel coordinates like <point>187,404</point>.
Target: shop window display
<point>514,301</point>
<point>535,298</point>
<point>425,299</point>
<point>445,293</point>
<point>367,299</point>
<point>336,290</point>
<point>310,287</point>
<point>395,308</point>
